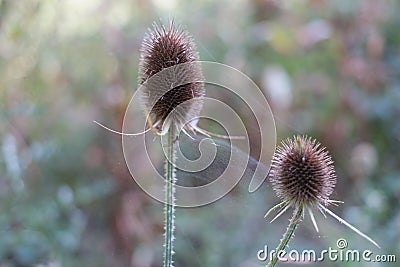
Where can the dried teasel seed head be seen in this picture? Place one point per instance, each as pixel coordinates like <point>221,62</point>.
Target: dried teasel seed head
<point>302,172</point>
<point>164,47</point>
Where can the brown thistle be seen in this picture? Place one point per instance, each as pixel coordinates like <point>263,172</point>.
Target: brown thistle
<point>303,176</point>
<point>164,47</point>
<point>302,172</point>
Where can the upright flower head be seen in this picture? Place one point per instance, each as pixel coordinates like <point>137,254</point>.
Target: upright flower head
<point>171,80</point>
<point>164,47</point>
<point>302,172</point>
<point>303,176</point>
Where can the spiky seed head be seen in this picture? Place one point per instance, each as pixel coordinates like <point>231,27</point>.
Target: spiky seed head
<point>164,47</point>
<point>302,172</point>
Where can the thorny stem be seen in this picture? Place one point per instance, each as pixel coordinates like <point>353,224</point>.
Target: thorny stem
<point>287,236</point>
<point>169,208</point>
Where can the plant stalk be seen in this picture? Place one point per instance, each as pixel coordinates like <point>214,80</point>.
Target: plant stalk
<point>169,208</point>
<point>294,221</point>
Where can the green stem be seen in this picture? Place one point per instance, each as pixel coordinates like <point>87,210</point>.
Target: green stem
<point>287,236</point>
<point>169,208</point>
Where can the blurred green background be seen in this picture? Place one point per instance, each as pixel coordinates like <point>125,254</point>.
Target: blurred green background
<point>330,69</point>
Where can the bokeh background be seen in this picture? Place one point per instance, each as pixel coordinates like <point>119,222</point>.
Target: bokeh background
<point>330,69</point>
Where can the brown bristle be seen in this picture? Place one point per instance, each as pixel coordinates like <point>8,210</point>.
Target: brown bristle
<point>302,172</point>
<point>165,47</point>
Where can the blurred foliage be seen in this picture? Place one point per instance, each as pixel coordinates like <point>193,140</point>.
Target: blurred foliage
<point>330,69</point>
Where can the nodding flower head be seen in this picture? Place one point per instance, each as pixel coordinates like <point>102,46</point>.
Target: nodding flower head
<point>302,172</point>
<point>164,47</point>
